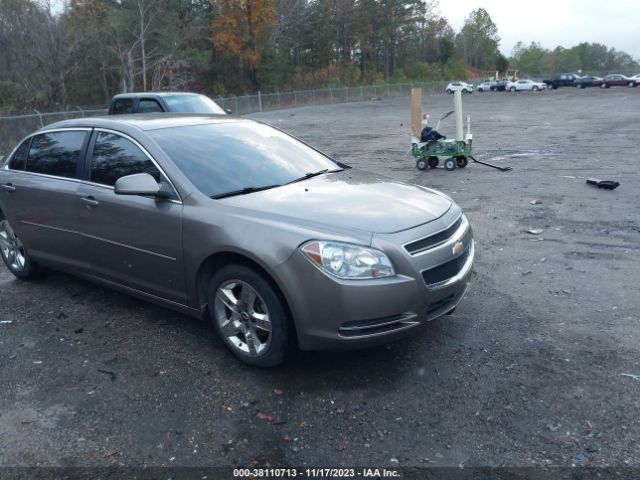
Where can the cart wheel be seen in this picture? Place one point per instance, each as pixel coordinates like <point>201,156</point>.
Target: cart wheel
<point>421,164</point>
<point>462,162</point>
<point>450,164</point>
<point>433,162</point>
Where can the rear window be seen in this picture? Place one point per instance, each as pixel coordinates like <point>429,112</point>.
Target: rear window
<point>148,105</point>
<point>19,159</point>
<point>123,105</point>
<point>192,104</point>
<point>56,153</point>
<point>224,157</point>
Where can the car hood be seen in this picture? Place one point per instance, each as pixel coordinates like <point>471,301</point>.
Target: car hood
<point>351,199</point>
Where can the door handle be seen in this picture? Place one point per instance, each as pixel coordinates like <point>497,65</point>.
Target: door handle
<point>7,187</point>
<point>90,201</point>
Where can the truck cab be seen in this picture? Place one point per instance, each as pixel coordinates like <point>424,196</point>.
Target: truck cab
<point>149,102</point>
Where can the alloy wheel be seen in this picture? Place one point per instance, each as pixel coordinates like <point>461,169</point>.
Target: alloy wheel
<point>243,317</point>
<point>11,246</point>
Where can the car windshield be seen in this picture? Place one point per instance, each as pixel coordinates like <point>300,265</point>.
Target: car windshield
<point>239,156</point>
<point>192,104</point>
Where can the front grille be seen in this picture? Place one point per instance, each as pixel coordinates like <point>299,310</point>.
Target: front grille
<point>425,243</point>
<point>446,270</point>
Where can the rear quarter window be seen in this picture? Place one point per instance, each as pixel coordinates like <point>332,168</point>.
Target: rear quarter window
<point>56,153</point>
<point>19,158</point>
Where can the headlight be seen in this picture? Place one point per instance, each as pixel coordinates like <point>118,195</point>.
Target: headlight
<point>345,260</point>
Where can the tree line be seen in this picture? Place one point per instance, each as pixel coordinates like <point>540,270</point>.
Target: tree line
<point>83,53</point>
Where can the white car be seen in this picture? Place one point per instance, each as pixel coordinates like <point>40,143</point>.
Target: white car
<point>485,86</point>
<point>459,87</point>
<point>526,84</point>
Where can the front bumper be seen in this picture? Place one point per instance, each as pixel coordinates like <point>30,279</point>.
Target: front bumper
<point>334,314</point>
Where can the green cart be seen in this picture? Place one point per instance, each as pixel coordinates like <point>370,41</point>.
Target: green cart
<point>428,153</point>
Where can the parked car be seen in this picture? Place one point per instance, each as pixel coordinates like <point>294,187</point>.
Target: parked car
<point>485,86</point>
<point>500,86</point>
<point>563,80</point>
<point>150,102</point>
<point>459,87</point>
<point>234,220</point>
<point>525,85</point>
<point>587,81</point>
<point>615,80</point>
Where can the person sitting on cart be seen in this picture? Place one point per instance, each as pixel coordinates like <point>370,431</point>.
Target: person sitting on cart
<point>430,135</point>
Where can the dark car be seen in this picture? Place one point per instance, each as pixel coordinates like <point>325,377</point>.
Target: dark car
<point>563,80</point>
<point>236,221</point>
<point>615,80</point>
<point>587,81</point>
<point>499,86</point>
<point>154,102</point>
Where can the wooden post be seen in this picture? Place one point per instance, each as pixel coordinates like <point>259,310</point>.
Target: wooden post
<point>416,112</point>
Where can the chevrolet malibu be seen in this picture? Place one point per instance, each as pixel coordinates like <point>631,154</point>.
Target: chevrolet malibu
<point>233,220</point>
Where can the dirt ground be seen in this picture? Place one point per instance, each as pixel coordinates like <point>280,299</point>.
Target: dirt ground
<point>535,367</point>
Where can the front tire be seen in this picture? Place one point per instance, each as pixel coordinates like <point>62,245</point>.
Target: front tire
<point>603,85</point>
<point>449,91</point>
<point>631,84</point>
<point>462,162</point>
<point>535,88</point>
<point>422,164</point>
<point>512,89</point>
<point>250,316</point>
<point>14,254</point>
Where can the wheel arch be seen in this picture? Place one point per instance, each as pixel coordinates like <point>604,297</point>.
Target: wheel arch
<point>218,260</point>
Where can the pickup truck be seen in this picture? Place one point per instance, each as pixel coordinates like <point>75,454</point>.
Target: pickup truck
<point>149,102</point>
<point>564,80</point>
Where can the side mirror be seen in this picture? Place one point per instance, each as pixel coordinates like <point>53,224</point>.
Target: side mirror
<point>228,111</point>
<point>137,184</point>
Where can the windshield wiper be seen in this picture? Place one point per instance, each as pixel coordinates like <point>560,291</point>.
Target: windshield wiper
<point>306,176</point>
<point>243,191</point>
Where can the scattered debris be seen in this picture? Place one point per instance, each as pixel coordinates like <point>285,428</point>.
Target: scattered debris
<point>79,330</point>
<point>631,375</point>
<point>536,202</point>
<point>606,184</point>
<point>533,231</point>
<point>108,372</point>
<point>6,322</point>
<point>394,460</point>
<point>280,421</point>
<point>264,416</point>
<point>277,391</point>
<point>111,453</point>
<point>37,362</point>
<point>62,315</point>
<point>340,448</point>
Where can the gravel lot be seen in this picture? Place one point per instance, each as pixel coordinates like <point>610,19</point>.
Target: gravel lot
<point>528,371</point>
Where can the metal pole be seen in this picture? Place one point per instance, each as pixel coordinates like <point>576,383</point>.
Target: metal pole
<point>40,116</point>
<point>260,101</point>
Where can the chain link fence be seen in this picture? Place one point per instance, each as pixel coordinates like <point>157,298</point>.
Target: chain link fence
<point>14,128</point>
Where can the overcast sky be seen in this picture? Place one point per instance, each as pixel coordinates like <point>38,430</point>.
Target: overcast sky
<point>615,23</point>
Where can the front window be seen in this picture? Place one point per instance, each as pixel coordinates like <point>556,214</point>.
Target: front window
<point>192,104</point>
<point>219,158</point>
<point>115,156</point>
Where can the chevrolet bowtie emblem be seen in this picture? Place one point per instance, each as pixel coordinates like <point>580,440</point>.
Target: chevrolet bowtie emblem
<point>458,248</point>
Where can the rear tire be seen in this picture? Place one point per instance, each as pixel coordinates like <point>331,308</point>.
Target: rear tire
<point>603,85</point>
<point>449,91</point>
<point>250,316</point>
<point>462,162</point>
<point>512,89</point>
<point>422,164</point>
<point>14,254</point>
<point>535,88</point>
<point>433,162</point>
<point>631,84</point>
<point>450,164</point>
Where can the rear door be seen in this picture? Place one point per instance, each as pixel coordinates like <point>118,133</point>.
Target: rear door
<point>133,240</point>
<point>39,195</point>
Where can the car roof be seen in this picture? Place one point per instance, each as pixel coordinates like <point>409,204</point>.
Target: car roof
<point>152,94</point>
<point>145,121</point>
